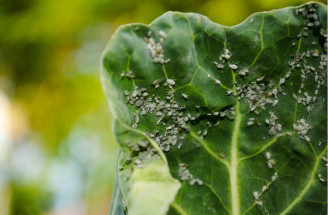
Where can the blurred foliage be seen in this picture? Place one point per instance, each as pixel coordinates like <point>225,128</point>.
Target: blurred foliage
<point>49,62</point>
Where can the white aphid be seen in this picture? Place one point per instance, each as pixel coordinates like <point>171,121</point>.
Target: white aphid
<point>256,195</point>
<point>233,66</point>
<point>185,96</point>
<point>268,155</point>
<point>259,203</point>
<point>264,188</point>
<point>243,72</point>
<point>218,82</point>
<point>275,102</point>
<point>271,163</point>
<point>274,177</point>
<point>282,81</point>
<point>170,82</point>
<point>162,34</point>
<point>321,178</point>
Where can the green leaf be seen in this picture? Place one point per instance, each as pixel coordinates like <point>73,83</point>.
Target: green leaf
<point>237,114</point>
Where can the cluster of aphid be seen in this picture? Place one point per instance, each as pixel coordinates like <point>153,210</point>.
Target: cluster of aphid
<point>325,160</point>
<point>271,122</point>
<point>128,74</point>
<point>271,163</point>
<point>310,14</point>
<point>156,49</point>
<point>146,152</point>
<point>300,62</point>
<point>302,128</point>
<point>185,175</point>
<point>165,112</point>
<point>256,94</point>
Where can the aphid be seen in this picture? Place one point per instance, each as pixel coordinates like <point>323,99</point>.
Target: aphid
<point>229,92</point>
<point>233,66</point>
<point>257,122</point>
<point>319,143</point>
<point>251,21</point>
<point>156,82</point>
<point>282,81</point>
<point>220,66</point>
<point>271,163</point>
<point>274,177</point>
<point>260,78</point>
<point>185,96</point>
<point>288,74</point>
<point>243,72</point>
<point>268,155</point>
<point>256,195</point>
<point>146,40</point>
<point>170,82</point>
<point>218,82</point>
<point>258,203</point>
<point>279,127</point>
<point>321,178</point>
<point>264,188</point>
<point>208,76</point>
<point>250,123</point>
<point>275,102</point>
<point>221,155</point>
<point>307,138</point>
<point>162,34</point>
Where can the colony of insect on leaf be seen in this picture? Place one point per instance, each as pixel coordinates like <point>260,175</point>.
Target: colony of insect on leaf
<point>257,95</point>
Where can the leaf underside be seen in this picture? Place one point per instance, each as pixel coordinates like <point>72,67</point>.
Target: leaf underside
<point>236,114</point>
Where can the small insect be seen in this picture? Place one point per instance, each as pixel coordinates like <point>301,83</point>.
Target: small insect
<point>275,102</point>
<point>282,81</point>
<point>274,177</point>
<point>243,72</point>
<point>321,178</point>
<point>146,40</point>
<point>170,82</point>
<point>156,82</point>
<point>185,96</point>
<point>218,82</point>
<point>185,165</point>
<point>268,155</point>
<point>208,76</point>
<point>264,188</point>
<point>233,66</point>
<point>251,21</point>
<point>289,133</point>
<point>221,155</point>
<point>271,163</point>
<point>266,94</point>
<point>256,195</point>
<point>136,28</point>
<point>259,203</point>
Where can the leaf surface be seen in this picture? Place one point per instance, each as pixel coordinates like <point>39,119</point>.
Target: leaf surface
<point>237,114</point>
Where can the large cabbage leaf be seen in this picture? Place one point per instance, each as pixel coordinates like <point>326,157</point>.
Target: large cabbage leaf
<point>220,120</point>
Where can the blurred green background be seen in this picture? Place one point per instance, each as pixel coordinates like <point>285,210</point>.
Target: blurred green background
<point>57,152</point>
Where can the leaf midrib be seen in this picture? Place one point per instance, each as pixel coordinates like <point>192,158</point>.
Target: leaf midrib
<point>234,163</point>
